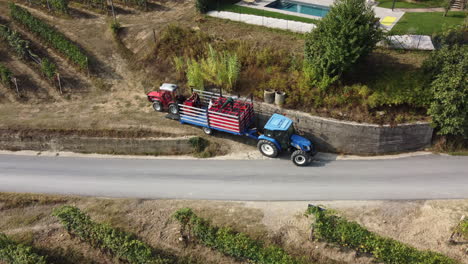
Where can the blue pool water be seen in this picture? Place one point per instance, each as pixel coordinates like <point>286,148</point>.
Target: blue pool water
<point>297,7</point>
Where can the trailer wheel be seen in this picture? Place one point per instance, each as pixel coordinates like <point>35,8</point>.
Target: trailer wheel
<point>267,148</point>
<point>157,106</point>
<point>300,158</point>
<point>173,109</point>
<point>208,131</point>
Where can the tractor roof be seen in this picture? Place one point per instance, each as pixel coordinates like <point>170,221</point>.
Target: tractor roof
<point>278,122</point>
<point>168,87</point>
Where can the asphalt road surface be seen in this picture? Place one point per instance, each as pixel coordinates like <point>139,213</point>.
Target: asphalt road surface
<point>422,177</point>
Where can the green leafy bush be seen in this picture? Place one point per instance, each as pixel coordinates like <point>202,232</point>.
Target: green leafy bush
<point>14,40</point>
<point>12,252</point>
<point>198,144</point>
<point>47,33</point>
<point>448,70</point>
<point>335,229</point>
<point>463,228</point>
<point>48,68</point>
<point>121,244</point>
<point>203,6</point>
<point>346,34</point>
<point>231,243</point>
<point>5,75</point>
<point>59,5</point>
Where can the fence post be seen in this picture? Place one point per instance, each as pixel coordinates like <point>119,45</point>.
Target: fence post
<point>154,36</point>
<point>16,85</point>
<point>59,83</point>
<point>48,5</point>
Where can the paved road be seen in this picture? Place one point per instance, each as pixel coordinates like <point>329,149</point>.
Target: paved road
<point>423,177</point>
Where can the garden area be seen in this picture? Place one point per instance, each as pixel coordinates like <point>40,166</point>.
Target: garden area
<point>428,23</point>
<point>411,3</point>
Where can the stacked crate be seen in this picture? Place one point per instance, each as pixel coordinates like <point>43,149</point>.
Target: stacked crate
<point>234,118</point>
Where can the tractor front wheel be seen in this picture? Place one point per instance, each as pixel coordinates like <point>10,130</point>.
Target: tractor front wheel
<point>157,106</point>
<point>300,158</point>
<point>267,148</point>
<point>173,109</point>
<point>207,131</point>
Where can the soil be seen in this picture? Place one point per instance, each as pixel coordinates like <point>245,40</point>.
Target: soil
<point>422,224</point>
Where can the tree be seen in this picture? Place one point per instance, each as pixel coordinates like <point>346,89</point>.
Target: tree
<point>346,34</point>
<point>447,6</point>
<point>448,70</point>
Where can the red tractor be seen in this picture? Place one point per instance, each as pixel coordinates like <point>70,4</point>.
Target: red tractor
<point>167,97</point>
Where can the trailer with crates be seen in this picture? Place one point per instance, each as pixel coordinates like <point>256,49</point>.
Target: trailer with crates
<point>213,112</point>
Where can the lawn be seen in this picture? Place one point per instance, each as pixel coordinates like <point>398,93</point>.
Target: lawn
<point>427,23</point>
<point>411,4</point>
<point>259,12</point>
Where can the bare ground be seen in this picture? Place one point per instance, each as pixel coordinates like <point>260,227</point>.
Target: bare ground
<point>423,224</point>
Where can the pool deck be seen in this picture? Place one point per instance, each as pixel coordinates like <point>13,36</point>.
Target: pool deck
<point>380,12</point>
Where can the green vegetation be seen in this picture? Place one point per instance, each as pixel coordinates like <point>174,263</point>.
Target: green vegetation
<point>48,34</point>
<point>5,76</point>
<point>53,5</point>
<point>463,227</point>
<point>231,243</point>
<point>448,70</point>
<point>12,252</point>
<point>23,50</point>
<point>427,23</point>
<point>335,229</point>
<point>386,80</point>
<point>218,68</point>
<point>411,4</point>
<point>48,68</point>
<point>348,33</point>
<point>14,40</point>
<point>120,244</point>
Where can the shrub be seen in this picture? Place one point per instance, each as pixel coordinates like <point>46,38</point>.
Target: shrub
<point>346,34</point>
<point>202,6</point>
<point>335,229</point>
<point>48,68</point>
<point>60,5</point>
<point>5,76</point>
<point>198,144</point>
<point>463,228</point>
<point>457,35</point>
<point>231,243</point>
<point>49,35</point>
<point>121,244</point>
<point>14,40</point>
<point>115,27</point>
<point>12,252</point>
<point>448,70</point>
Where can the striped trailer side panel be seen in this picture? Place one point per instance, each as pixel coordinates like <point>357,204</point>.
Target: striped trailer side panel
<point>193,115</point>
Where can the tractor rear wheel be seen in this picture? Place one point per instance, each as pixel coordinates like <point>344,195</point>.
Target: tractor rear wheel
<point>173,109</point>
<point>300,158</point>
<point>157,106</point>
<point>267,148</point>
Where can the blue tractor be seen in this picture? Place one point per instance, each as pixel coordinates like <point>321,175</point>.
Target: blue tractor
<point>278,134</point>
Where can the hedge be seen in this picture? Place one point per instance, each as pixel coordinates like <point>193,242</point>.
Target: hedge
<point>335,229</point>
<point>120,244</point>
<point>47,33</point>
<point>15,253</point>
<point>231,243</point>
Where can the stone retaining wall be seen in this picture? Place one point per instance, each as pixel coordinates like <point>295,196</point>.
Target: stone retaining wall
<point>338,136</point>
<point>55,141</point>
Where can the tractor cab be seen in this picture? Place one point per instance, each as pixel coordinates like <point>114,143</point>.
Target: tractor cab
<point>279,135</point>
<point>166,98</point>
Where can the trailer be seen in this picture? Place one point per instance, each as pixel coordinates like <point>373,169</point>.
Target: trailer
<point>213,112</point>
<point>217,113</point>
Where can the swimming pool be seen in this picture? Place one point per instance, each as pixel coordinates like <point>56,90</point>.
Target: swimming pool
<point>298,7</point>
